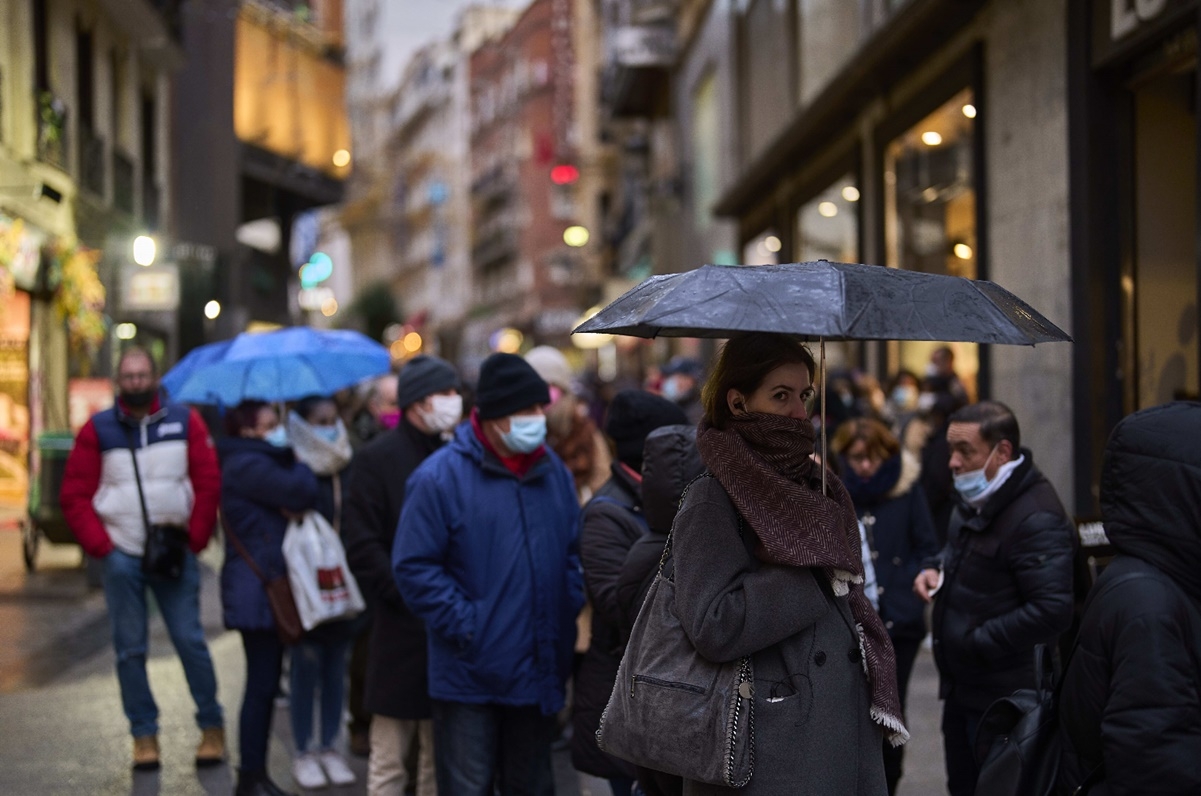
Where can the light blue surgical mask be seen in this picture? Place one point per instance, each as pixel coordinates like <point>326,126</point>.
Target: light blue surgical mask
<point>277,436</point>
<point>525,434</point>
<point>328,433</point>
<point>971,485</point>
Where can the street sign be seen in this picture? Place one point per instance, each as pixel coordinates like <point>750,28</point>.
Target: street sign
<point>151,288</point>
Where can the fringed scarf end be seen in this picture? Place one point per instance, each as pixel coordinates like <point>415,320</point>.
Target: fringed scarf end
<point>897,734</point>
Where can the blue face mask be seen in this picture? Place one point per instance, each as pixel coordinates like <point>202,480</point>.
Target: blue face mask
<point>971,485</point>
<point>525,434</point>
<point>277,436</point>
<point>328,433</point>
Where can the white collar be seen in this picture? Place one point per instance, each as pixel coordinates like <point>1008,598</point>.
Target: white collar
<point>1003,473</point>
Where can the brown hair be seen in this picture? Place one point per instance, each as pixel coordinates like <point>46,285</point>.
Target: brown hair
<point>881,444</point>
<point>244,415</point>
<point>743,364</point>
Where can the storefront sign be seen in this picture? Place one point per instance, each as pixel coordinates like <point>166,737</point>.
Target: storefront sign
<point>644,45</point>
<point>151,289</point>
<point>1122,24</point>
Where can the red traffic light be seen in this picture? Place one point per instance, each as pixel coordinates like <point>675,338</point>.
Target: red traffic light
<point>564,174</point>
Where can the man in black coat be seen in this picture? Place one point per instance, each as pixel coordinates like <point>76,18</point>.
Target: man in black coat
<point>1003,580</point>
<point>1130,708</point>
<point>609,525</point>
<point>397,687</point>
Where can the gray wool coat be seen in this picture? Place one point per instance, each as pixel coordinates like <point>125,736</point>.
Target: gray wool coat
<point>813,729</point>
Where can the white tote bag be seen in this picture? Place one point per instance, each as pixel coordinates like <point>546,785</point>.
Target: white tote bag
<point>322,584</point>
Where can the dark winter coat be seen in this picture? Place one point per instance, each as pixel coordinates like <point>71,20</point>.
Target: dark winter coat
<point>397,676</point>
<point>609,524</point>
<point>490,561</point>
<point>813,729</point>
<point>901,536</point>
<point>1132,692</point>
<point>258,480</point>
<point>1007,587</point>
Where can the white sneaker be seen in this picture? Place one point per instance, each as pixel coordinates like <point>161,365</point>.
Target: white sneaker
<point>307,771</point>
<point>335,767</point>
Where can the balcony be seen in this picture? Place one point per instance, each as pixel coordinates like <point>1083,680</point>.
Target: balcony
<point>499,246</point>
<point>52,130</point>
<point>494,186</point>
<point>638,66</point>
<point>92,151</point>
<point>122,182</point>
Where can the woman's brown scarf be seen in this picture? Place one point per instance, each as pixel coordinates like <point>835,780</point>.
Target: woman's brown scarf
<point>764,463</point>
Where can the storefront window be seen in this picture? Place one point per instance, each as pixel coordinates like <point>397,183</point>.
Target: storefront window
<point>930,213</point>
<point>827,226</point>
<point>763,249</point>
<point>1160,287</point>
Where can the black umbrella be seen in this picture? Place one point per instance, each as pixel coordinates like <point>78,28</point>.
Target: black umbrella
<point>824,301</point>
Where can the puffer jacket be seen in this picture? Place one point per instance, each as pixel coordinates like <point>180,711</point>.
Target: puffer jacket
<point>1130,706</point>
<point>901,535</point>
<point>609,524</point>
<point>259,480</point>
<point>490,562</point>
<point>1007,587</point>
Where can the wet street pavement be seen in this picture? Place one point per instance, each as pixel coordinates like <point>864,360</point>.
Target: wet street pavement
<point>62,730</point>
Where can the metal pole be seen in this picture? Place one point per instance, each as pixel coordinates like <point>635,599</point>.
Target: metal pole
<point>822,376</point>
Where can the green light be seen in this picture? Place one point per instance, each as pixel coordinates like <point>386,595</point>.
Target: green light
<point>316,270</point>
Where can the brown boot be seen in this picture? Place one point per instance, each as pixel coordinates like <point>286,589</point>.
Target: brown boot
<point>211,751</point>
<point>145,753</point>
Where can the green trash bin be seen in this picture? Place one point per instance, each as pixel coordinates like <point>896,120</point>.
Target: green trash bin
<point>45,515</point>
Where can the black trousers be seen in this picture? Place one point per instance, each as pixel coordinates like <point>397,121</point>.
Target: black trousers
<point>906,650</point>
<point>959,726</point>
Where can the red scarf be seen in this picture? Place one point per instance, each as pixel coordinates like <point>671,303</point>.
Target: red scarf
<point>764,462</point>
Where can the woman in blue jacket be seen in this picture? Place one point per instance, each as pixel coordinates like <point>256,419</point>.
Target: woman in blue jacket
<point>262,487</point>
<point>884,484</point>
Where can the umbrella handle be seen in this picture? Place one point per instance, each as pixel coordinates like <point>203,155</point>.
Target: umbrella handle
<point>822,375</point>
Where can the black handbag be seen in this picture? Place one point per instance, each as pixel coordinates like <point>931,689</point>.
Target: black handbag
<point>166,548</point>
<point>672,710</point>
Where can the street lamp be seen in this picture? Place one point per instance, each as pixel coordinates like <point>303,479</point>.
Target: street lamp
<point>144,250</point>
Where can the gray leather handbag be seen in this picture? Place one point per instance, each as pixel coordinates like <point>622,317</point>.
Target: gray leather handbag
<point>672,710</point>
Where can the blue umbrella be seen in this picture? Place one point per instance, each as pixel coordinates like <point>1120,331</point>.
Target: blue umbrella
<point>283,365</point>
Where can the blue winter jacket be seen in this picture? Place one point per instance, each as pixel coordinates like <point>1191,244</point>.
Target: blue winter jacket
<point>490,563</point>
<point>258,479</point>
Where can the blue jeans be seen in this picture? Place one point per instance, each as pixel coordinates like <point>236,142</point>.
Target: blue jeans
<point>477,745</point>
<point>125,588</point>
<point>319,662</point>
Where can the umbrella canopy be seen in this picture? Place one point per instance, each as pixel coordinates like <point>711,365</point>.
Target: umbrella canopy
<point>833,301</point>
<point>283,365</point>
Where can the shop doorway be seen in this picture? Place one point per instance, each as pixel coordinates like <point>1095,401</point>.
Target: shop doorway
<point>1159,274</point>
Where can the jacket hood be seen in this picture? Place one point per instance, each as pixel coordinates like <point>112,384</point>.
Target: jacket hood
<point>1151,490</point>
<point>670,462</point>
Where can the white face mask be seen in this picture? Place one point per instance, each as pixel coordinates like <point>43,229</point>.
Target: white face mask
<point>444,413</point>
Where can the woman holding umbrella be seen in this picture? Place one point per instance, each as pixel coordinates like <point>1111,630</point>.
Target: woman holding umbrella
<point>766,565</point>
<point>884,484</point>
<point>262,486</point>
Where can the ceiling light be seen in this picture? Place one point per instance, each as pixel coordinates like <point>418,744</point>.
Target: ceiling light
<point>828,209</point>
<point>850,193</point>
<point>963,251</point>
<point>931,138</point>
<point>772,243</point>
<point>969,111</point>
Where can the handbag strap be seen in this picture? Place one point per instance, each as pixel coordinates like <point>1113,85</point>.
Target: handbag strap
<point>242,551</point>
<point>137,476</point>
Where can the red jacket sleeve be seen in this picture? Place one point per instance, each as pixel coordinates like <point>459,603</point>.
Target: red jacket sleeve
<point>205,474</point>
<point>81,479</point>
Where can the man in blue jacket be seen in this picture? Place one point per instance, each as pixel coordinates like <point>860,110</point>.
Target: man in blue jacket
<point>486,554</point>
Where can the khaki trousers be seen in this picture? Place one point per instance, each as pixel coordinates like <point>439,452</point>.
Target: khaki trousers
<point>391,740</point>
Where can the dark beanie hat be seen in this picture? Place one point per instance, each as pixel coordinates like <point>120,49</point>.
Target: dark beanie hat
<point>634,414</point>
<point>422,376</point>
<point>507,385</point>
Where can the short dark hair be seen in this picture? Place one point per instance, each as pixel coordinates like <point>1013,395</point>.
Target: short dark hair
<point>743,364</point>
<point>137,351</point>
<point>244,415</point>
<point>307,405</point>
<point>997,422</point>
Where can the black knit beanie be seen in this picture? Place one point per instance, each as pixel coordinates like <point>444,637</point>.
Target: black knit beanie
<point>422,376</point>
<point>634,414</point>
<point>507,385</point>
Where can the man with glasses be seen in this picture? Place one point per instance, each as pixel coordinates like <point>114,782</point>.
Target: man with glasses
<point>101,499</point>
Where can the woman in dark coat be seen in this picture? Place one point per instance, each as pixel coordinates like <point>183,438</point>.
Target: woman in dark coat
<point>768,566</point>
<point>262,486</point>
<point>1130,709</point>
<point>884,484</point>
<point>609,525</point>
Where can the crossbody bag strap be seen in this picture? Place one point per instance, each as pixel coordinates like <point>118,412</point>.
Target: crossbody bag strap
<point>137,476</point>
<point>237,543</point>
